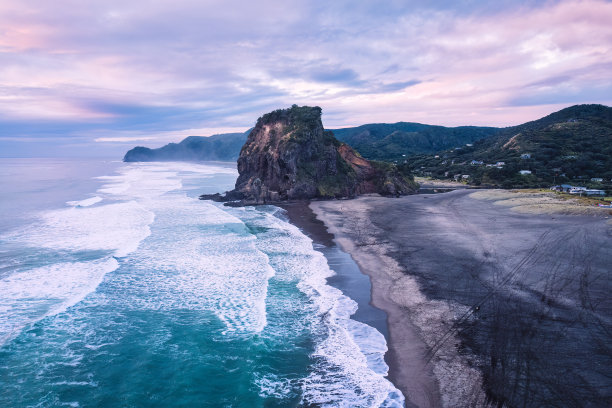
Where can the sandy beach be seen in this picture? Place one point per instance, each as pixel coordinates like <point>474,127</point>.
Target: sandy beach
<point>486,302</point>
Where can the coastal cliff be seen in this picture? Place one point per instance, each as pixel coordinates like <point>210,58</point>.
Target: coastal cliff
<point>193,148</point>
<point>290,156</point>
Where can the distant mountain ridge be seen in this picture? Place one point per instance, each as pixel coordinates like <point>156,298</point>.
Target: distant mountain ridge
<point>384,141</point>
<point>573,145</point>
<point>222,147</point>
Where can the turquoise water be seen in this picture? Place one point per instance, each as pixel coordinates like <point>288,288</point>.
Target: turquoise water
<point>122,289</point>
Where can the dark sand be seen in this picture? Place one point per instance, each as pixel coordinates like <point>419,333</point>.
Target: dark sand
<point>348,277</point>
<point>484,302</point>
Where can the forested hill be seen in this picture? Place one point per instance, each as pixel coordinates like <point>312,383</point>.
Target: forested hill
<point>223,147</point>
<point>384,141</point>
<point>573,145</point>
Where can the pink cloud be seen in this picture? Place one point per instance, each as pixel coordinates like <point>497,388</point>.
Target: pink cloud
<point>236,60</point>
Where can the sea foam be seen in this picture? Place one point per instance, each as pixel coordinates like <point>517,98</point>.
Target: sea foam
<point>77,246</point>
<point>348,363</point>
<point>32,294</point>
<point>117,228</point>
<point>202,258</point>
<point>85,203</point>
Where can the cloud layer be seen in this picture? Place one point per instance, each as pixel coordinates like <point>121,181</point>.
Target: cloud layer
<point>120,72</point>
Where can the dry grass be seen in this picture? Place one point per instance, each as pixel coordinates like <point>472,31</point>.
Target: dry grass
<point>428,181</point>
<point>539,201</point>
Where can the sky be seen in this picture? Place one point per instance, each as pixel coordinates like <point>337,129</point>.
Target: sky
<point>97,77</point>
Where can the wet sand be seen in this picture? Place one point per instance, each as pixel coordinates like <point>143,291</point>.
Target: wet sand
<point>485,303</point>
<point>348,277</point>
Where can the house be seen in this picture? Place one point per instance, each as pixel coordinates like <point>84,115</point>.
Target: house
<point>465,176</point>
<point>469,144</point>
<point>526,156</point>
<point>577,190</point>
<point>524,172</point>
<point>476,162</point>
<point>500,164</point>
<point>565,188</point>
<point>593,192</point>
<point>457,177</point>
<point>597,179</point>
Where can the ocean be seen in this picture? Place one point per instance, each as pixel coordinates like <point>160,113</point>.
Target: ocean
<point>119,288</point>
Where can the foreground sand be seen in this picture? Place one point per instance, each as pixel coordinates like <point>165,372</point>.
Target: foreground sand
<point>482,300</point>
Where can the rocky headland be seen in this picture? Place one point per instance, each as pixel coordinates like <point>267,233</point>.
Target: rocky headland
<point>290,156</point>
<point>223,147</point>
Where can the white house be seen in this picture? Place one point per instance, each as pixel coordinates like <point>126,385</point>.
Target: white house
<point>577,190</point>
<point>597,179</point>
<point>525,172</point>
<point>593,192</point>
<point>526,156</point>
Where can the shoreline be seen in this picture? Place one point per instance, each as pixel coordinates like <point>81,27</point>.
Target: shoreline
<point>409,370</point>
<point>424,382</point>
<point>486,302</point>
<point>348,276</point>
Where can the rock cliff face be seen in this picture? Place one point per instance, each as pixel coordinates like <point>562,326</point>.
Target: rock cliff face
<point>289,155</point>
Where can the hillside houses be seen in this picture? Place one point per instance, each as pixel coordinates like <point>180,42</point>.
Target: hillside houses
<point>578,190</point>
<point>475,162</point>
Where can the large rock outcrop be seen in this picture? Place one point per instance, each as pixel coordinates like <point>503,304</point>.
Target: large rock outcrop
<point>290,156</point>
